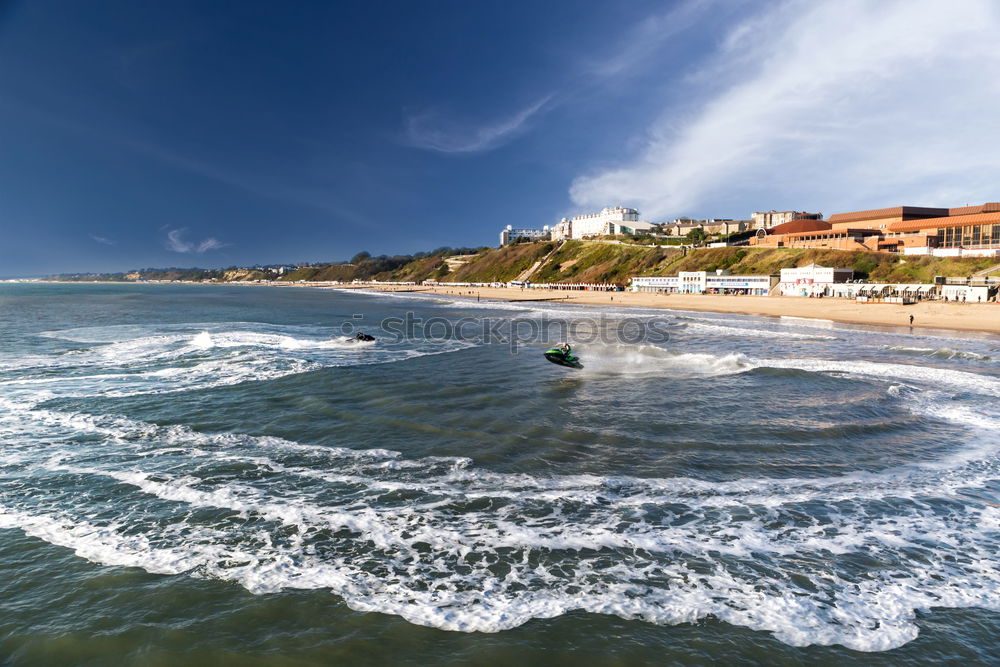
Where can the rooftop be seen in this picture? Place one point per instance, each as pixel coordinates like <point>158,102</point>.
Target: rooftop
<point>988,207</point>
<point>961,220</point>
<point>800,225</point>
<point>905,212</point>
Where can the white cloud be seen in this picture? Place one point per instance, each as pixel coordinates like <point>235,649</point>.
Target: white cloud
<point>102,239</point>
<point>176,243</point>
<point>839,104</point>
<point>429,131</point>
<point>209,244</point>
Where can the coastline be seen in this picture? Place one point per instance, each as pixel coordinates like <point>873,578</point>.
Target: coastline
<point>982,318</point>
<point>970,317</point>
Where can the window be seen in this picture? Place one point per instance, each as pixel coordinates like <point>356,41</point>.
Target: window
<point>949,237</point>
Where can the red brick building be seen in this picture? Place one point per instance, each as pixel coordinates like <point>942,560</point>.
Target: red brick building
<point>909,229</point>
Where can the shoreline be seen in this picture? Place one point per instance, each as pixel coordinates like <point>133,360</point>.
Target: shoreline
<point>939,315</point>
<point>972,317</point>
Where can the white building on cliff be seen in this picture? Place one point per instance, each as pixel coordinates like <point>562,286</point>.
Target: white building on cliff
<point>610,220</point>
<point>511,234</point>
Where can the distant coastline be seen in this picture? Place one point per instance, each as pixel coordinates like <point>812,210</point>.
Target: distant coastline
<point>611,266</point>
<point>571,262</point>
<point>967,317</point>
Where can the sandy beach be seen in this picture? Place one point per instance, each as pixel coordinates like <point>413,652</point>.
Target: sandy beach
<point>928,314</point>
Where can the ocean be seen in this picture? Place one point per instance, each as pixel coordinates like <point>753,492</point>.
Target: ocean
<point>208,475</point>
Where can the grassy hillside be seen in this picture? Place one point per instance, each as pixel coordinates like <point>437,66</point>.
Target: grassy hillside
<point>328,272</point>
<point>589,262</point>
<point>501,265</point>
<point>243,275</point>
<point>923,269</point>
<point>583,262</point>
<point>404,268</point>
<point>586,262</point>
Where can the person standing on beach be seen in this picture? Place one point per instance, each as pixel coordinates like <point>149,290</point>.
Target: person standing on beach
<point>911,320</point>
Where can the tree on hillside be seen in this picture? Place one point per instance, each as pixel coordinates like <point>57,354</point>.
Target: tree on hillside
<point>696,235</point>
<point>360,257</point>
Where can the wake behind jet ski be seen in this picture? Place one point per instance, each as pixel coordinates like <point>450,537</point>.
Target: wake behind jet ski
<point>563,356</point>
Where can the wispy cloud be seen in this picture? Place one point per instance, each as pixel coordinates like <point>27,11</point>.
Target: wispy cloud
<point>429,130</point>
<point>637,50</point>
<point>176,243</point>
<point>102,239</point>
<point>848,102</point>
<point>641,43</point>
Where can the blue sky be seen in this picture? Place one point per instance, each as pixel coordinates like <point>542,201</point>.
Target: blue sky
<point>138,133</point>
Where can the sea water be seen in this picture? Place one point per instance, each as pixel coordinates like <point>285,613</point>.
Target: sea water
<point>215,474</point>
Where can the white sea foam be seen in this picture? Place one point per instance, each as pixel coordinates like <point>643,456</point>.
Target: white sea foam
<point>203,341</point>
<point>445,543</point>
<point>926,375</point>
<point>941,352</point>
<point>750,332</point>
<point>808,321</point>
<point>433,563</point>
<point>134,360</point>
<point>619,359</point>
<point>429,299</point>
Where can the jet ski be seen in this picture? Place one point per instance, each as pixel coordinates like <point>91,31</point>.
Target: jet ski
<point>563,358</point>
<point>360,337</point>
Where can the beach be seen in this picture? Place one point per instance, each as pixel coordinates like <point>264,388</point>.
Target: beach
<point>927,314</point>
<point>979,317</point>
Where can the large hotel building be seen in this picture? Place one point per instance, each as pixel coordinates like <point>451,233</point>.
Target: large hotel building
<point>912,230</point>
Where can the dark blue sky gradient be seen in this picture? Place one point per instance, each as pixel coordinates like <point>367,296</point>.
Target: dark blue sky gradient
<point>283,131</point>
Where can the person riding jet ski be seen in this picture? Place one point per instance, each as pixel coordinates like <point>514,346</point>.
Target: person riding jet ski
<point>361,336</point>
<point>562,355</point>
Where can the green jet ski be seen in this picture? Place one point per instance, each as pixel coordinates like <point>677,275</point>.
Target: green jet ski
<point>562,356</point>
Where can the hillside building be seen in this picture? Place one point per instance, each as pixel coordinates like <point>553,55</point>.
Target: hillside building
<point>631,228</point>
<point>511,234</point>
<point>911,230</point>
<point>881,218</point>
<point>970,231</point>
<point>809,233</point>
<point>682,226</point>
<point>769,219</point>
<point>601,223</point>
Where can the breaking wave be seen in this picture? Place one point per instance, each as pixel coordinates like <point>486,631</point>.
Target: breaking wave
<point>131,360</point>
<point>940,352</point>
<point>446,542</point>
